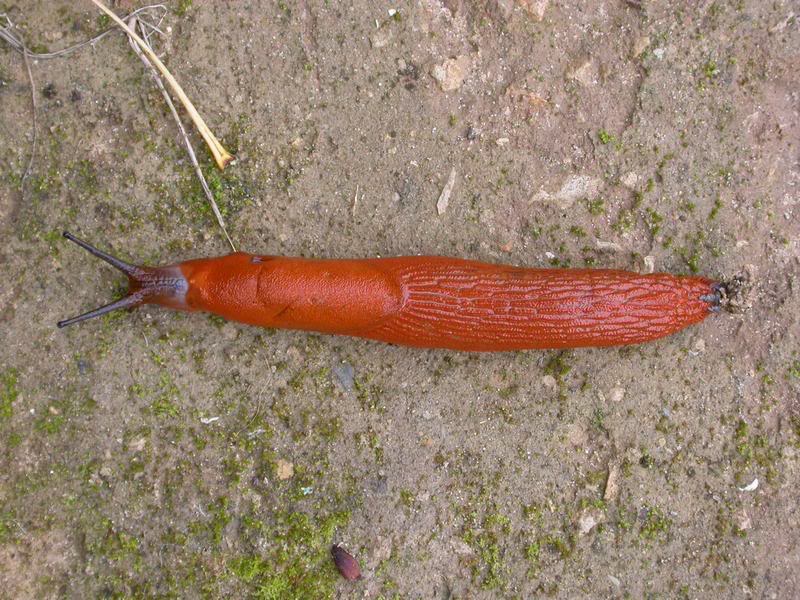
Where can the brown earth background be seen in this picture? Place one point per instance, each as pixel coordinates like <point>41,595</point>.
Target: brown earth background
<point>158,454</point>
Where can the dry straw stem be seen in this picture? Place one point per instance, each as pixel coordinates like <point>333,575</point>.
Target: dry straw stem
<point>7,34</point>
<point>221,156</point>
<point>132,21</point>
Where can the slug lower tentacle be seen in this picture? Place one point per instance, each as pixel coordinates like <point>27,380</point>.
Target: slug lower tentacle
<point>425,301</point>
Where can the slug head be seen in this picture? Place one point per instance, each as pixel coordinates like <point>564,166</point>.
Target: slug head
<point>146,285</point>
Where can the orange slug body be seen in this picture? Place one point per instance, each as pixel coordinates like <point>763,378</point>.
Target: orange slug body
<point>438,302</point>
<point>424,301</point>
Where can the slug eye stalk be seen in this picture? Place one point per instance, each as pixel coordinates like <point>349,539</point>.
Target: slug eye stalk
<point>146,285</point>
<point>126,302</point>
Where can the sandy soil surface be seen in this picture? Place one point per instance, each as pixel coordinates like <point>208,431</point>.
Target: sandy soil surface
<point>158,454</point>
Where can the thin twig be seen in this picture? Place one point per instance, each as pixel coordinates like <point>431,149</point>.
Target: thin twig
<point>222,156</point>
<point>33,110</point>
<point>16,43</point>
<point>7,34</point>
<point>198,171</point>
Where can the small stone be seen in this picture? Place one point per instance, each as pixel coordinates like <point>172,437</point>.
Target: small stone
<point>751,487</point>
<point>137,445</point>
<point>345,376</point>
<point>505,7</point>
<point>105,472</point>
<point>380,486</point>
<point>83,366</point>
<point>502,141</point>
<point>743,521</point>
<point>574,188</point>
<point>549,381</point>
<point>629,180</point>
<point>284,469</point>
<point>585,73</point>
<point>460,547</point>
<point>381,38</point>
<point>588,521</point>
<point>616,394</point>
<point>381,552</point>
<point>612,483</point>
<point>649,264</point>
<point>452,72</point>
<point>614,581</point>
<point>444,197</point>
<point>535,8</point>
<point>699,346</point>
<point>609,246</point>
<point>53,36</point>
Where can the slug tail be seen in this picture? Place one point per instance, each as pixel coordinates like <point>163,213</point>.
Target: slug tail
<point>146,285</point>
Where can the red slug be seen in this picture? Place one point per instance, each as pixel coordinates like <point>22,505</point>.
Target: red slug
<point>425,301</point>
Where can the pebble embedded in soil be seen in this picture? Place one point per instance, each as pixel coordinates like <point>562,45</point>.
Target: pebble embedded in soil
<point>612,483</point>
<point>586,73</point>
<point>344,374</point>
<point>284,469</point>
<point>451,73</point>
<point>575,187</point>
<point>535,8</point>
<point>588,520</point>
<point>444,197</point>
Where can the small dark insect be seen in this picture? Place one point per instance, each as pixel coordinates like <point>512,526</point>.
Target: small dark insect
<point>345,563</point>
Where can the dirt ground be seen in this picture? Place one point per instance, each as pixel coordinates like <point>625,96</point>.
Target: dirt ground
<point>160,454</point>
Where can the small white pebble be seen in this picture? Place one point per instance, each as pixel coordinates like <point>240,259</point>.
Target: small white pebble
<point>616,394</point>
<point>751,487</point>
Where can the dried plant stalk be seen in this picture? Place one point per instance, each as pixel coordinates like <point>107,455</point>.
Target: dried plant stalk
<point>132,22</point>
<point>221,156</point>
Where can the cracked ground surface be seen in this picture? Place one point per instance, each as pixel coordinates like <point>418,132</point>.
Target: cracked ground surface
<point>156,454</point>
